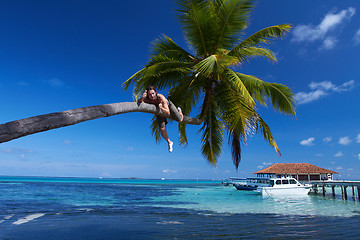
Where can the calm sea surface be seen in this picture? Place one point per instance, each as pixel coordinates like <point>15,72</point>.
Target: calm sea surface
<point>79,208</point>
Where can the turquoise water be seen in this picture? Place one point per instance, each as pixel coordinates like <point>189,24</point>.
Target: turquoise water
<point>222,199</point>
<point>85,208</point>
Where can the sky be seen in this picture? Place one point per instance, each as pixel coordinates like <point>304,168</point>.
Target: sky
<point>61,55</point>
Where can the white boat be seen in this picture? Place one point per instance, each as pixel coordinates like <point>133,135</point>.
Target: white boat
<point>284,186</point>
<point>251,184</point>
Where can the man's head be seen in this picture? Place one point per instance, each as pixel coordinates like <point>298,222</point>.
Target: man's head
<point>151,93</point>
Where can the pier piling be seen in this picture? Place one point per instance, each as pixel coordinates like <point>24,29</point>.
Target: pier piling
<point>343,186</point>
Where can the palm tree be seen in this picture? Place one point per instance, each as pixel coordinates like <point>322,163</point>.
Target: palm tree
<point>214,30</point>
<point>207,76</point>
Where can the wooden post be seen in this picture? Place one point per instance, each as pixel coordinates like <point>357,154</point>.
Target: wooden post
<point>353,192</point>
<point>333,190</point>
<point>358,190</point>
<point>315,188</point>
<point>323,190</point>
<point>345,193</point>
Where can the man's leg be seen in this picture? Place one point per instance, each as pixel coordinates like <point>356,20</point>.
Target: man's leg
<point>176,113</point>
<point>162,123</point>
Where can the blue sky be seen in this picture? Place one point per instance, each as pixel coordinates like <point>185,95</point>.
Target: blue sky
<point>60,55</point>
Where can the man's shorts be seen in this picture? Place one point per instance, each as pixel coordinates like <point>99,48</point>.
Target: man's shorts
<point>162,122</point>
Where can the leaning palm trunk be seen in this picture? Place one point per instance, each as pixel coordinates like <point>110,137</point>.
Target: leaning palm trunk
<point>41,123</point>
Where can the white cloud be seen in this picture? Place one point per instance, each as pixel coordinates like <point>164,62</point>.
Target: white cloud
<point>322,31</point>
<point>327,139</point>
<point>67,142</point>
<point>319,155</point>
<point>54,82</point>
<point>329,43</point>
<point>16,151</point>
<point>358,138</point>
<point>308,142</point>
<point>339,154</point>
<point>320,89</point>
<point>260,167</point>
<point>329,86</point>
<point>357,37</point>
<point>358,156</point>
<point>344,141</point>
<point>339,168</point>
<point>302,97</point>
<point>23,84</point>
<point>267,163</point>
<point>169,171</point>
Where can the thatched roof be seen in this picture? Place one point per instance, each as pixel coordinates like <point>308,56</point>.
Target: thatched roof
<point>293,168</point>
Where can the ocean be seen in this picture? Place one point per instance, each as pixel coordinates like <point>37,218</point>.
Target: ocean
<point>82,208</point>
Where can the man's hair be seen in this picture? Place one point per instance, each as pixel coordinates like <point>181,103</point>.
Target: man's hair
<point>148,89</point>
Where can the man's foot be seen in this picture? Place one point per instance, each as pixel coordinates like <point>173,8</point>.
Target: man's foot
<point>170,146</point>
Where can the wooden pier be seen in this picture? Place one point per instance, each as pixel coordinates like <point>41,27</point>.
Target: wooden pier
<point>343,185</point>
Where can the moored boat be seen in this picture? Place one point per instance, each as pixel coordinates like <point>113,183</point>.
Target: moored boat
<point>251,184</point>
<point>284,186</point>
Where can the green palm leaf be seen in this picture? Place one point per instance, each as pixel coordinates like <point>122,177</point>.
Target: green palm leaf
<point>207,67</point>
<point>280,95</point>
<point>155,131</point>
<point>165,46</point>
<point>212,138</point>
<point>236,84</point>
<point>265,130</point>
<point>263,36</point>
<point>234,138</point>
<point>199,25</point>
<point>182,134</point>
<point>244,54</point>
<point>232,18</point>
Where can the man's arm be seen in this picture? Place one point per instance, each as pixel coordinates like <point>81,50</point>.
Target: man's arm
<point>140,100</point>
<point>164,104</point>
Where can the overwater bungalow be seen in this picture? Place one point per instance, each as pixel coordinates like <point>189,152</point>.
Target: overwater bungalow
<point>304,172</point>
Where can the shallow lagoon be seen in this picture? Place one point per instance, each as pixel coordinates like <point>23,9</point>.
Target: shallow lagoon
<point>76,208</point>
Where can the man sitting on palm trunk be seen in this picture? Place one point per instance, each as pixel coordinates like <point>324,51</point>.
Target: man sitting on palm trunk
<point>152,97</point>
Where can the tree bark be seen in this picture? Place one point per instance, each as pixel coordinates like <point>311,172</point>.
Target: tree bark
<point>27,126</point>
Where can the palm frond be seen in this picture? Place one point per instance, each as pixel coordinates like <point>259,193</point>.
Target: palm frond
<point>161,72</point>
<point>233,109</point>
<point>266,132</point>
<point>244,54</point>
<point>199,26</point>
<point>212,137</point>
<point>208,66</point>
<point>233,79</point>
<point>165,46</point>
<point>237,117</point>
<point>263,36</point>
<point>234,138</point>
<point>281,96</point>
<point>186,93</point>
<point>232,18</point>
<point>137,76</point>
<point>182,134</point>
<point>155,131</point>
